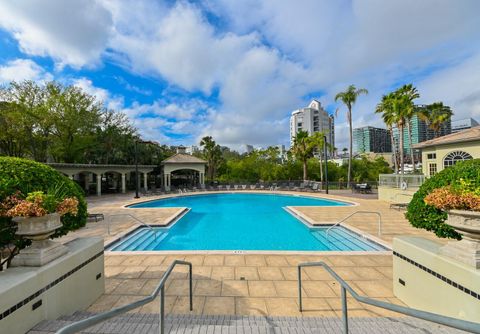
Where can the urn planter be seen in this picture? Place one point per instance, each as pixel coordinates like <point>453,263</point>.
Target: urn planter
<point>467,250</point>
<point>38,230</point>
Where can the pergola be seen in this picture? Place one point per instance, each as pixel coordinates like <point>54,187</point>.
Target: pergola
<point>182,161</point>
<point>74,170</point>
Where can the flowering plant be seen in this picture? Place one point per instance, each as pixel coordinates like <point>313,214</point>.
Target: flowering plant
<point>462,196</point>
<point>37,204</point>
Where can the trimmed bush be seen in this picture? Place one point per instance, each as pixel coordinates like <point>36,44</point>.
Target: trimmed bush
<point>26,176</point>
<point>430,218</point>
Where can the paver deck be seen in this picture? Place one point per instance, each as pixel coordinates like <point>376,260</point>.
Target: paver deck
<point>182,324</point>
<point>251,284</point>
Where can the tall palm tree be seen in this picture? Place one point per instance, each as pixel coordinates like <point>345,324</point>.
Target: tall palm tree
<point>349,97</point>
<point>212,154</point>
<point>435,115</point>
<point>408,93</point>
<point>389,118</point>
<point>303,149</point>
<point>318,142</point>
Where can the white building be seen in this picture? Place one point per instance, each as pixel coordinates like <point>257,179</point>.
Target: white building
<point>192,149</point>
<point>312,119</point>
<point>249,148</point>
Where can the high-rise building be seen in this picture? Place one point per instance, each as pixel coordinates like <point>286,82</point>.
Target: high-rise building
<point>191,149</point>
<point>420,132</point>
<point>312,119</point>
<point>463,124</point>
<point>249,148</point>
<point>369,139</point>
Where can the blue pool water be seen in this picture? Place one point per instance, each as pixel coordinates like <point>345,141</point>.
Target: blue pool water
<point>241,221</point>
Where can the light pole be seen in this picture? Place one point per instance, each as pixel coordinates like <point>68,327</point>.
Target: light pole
<point>326,163</point>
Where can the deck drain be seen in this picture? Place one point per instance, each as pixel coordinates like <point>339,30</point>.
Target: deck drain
<point>242,278</point>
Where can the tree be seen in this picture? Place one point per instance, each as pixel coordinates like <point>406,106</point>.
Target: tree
<point>303,150</point>
<point>349,97</point>
<point>212,153</point>
<point>408,93</point>
<point>389,117</point>
<point>318,142</point>
<point>435,115</point>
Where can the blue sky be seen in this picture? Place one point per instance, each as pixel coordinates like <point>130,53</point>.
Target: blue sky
<point>236,69</point>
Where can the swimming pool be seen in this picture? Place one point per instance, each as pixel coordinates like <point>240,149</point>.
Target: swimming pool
<point>242,221</point>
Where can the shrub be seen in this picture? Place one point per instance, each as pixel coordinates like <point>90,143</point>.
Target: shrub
<point>429,217</point>
<point>25,176</point>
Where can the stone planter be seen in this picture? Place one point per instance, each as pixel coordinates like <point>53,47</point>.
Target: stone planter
<point>42,250</point>
<point>467,250</point>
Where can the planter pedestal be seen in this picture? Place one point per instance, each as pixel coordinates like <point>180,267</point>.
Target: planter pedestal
<point>467,250</point>
<point>39,254</point>
<point>42,250</point>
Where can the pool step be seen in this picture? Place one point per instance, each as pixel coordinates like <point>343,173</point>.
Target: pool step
<point>341,239</point>
<point>123,245</point>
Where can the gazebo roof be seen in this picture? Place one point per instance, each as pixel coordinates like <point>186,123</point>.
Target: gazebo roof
<point>181,158</point>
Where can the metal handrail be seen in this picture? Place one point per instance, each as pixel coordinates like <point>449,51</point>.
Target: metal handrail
<point>96,319</point>
<point>439,319</point>
<point>354,213</point>
<point>135,218</point>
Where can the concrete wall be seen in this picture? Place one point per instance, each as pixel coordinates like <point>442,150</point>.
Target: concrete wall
<point>33,294</point>
<point>425,280</point>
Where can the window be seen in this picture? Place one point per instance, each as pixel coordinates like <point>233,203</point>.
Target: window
<point>432,168</point>
<point>431,155</point>
<point>453,157</point>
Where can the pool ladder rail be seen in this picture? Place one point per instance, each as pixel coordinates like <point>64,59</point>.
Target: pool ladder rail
<point>353,214</point>
<point>150,227</point>
<point>468,326</point>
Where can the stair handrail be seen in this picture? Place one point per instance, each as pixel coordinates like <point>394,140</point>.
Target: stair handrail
<point>428,316</point>
<point>353,214</point>
<point>150,227</point>
<point>98,318</point>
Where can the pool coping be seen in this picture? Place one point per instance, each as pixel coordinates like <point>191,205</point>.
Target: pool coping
<point>266,192</point>
<point>174,218</point>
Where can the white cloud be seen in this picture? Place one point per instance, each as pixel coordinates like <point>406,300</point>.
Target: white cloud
<point>23,69</point>
<point>113,102</point>
<point>260,58</point>
<point>73,33</point>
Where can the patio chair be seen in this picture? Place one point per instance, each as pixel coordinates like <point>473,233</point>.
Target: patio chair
<point>253,186</point>
<point>227,187</point>
<point>244,186</point>
<point>236,186</point>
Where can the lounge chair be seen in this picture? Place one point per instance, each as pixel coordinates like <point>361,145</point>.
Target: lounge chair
<point>244,186</point>
<point>95,217</point>
<point>253,186</point>
<point>227,187</point>
<point>363,188</point>
<point>236,186</point>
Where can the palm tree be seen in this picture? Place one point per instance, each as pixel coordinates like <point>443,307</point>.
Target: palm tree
<point>212,153</point>
<point>303,149</point>
<point>409,93</point>
<point>318,142</point>
<point>435,115</point>
<point>349,97</point>
<point>389,118</point>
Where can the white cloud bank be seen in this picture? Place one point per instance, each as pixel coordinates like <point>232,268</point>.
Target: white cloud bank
<point>262,57</point>
<point>23,69</point>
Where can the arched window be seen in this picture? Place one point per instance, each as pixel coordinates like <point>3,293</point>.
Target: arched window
<point>453,157</point>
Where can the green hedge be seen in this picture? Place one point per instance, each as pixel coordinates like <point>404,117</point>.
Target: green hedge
<point>26,176</point>
<point>430,218</point>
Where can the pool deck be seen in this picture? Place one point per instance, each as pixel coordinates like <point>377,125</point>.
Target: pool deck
<point>250,284</point>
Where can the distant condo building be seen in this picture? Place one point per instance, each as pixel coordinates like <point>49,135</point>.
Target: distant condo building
<point>312,119</point>
<point>192,149</point>
<point>249,148</point>
<point>420,133</point>
<point>463,124</point>
<point>368,139</point>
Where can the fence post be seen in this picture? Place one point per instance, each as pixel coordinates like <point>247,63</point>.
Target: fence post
<point>300,288</point>
<point>161,325</point>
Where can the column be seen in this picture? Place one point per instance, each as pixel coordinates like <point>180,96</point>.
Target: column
<point>72,177</point>
<point>165,181</point>
<point>145,181</point>
<point>99,184</point>
<point>202,178</point>
<point>124,183</point>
